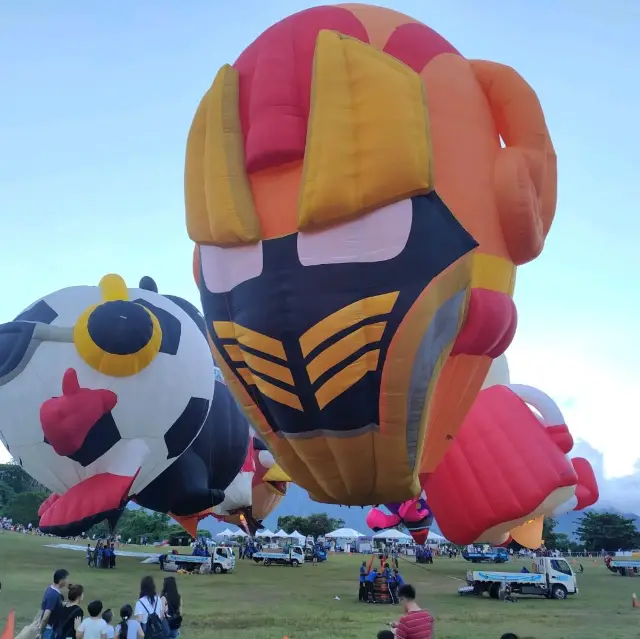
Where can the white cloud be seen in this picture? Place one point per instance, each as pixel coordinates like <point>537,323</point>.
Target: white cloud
<point>4,455</point>
<point>597,399</point>
<point>621,493</point>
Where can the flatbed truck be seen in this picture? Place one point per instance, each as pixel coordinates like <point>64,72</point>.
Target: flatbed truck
<point>551,578</point>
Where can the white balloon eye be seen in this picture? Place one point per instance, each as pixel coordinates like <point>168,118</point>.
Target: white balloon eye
<point>374,237</point>
<point>266,459</point>
<point>225,268</point>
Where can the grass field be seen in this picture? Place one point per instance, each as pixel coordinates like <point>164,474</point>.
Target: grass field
<point>269,603</point>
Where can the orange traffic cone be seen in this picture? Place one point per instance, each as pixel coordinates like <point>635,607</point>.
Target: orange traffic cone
<point>9,628</point>
<point>634,601</point>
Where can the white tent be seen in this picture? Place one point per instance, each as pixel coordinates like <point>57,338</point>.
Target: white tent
<point>264,533</point>
<point>392,534</point>
<point>282,534</point>
<point>225,533</point>
<point>345,533</point>
<point>297,535</point>
<point>239,533</point>
<point>435,538</point>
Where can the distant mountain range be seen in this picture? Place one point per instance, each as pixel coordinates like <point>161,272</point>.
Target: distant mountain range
<point>298,503</point>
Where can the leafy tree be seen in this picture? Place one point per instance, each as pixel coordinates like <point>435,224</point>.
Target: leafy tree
<point>142,523</point>
<point>317,524</point>
<point>204,534</point>
<point>607,531</point>
<point>561,542</point>
<point>19,480</point>
<point>550,537</point>
<point>23,508</point>
<point>6,494</point>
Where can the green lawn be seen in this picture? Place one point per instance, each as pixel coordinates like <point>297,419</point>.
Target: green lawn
<point>268,603</point>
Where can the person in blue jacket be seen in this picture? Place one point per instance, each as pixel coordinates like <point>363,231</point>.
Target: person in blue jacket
<point>362,592</point>
<point>370,580</point>
<point>395,581</point>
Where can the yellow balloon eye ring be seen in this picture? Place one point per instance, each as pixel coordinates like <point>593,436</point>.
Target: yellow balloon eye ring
<point>115,364</point>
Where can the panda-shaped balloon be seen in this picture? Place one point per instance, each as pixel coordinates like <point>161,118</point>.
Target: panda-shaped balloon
<point>102,389</point>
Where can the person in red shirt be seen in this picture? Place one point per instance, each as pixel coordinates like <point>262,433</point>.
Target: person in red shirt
<point>415,623</point>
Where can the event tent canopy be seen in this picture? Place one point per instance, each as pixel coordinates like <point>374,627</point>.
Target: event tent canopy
<point>225,533</point>
<point>435,537</point>
<point>264,533</point>
<point>281,533</point>
<point>298,535</point>
<point>345,533</point>
<point>232,533</point>
<point>392,533</point>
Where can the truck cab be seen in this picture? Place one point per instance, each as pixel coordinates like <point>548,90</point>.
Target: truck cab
<point>223,559</point>
<point>287,556</point>
<point>552,577</point>
<point>485,555</point>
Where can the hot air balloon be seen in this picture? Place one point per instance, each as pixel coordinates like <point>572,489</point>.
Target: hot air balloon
<point>102,389</point>
<point>414,514</point>
<point>338,178</point>
<point>269,484</point>
<point>508,468</point>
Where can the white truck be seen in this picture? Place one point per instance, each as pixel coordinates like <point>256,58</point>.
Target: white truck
<point>222,560</point>
<point>551,577</point>
<point>623,564</point>
<point>287,556</point>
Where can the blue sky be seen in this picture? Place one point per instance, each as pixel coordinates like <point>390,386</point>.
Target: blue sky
<point>98,99</point>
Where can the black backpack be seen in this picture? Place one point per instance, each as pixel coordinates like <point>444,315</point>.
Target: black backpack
<point>173,618</point>
<point>154,628</point>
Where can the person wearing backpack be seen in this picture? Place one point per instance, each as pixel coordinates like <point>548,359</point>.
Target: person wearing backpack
<point>72,613</point>
<point>149,611</point>
<point>172,603</point>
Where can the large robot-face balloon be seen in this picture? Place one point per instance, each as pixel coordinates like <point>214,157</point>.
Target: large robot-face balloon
<point>358,226</point>
<point>101,389</point>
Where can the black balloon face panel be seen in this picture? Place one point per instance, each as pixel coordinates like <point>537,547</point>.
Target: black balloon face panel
<point>297,331</point>
<point>101,389</point>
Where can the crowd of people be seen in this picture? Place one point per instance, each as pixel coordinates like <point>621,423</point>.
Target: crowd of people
<point>103,555</point>
<point>154,615</point>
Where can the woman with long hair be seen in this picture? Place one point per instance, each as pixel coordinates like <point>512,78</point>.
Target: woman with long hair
<point>149,603</point>
<point>172,604</point>
<point>128,628</point>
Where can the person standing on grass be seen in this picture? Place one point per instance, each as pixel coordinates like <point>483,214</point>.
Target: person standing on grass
<point>52,604</point>
<point>362,592</point>
<point>149,610</point>
<point>173,608</point>
<point>128,628</point>
<point>94,626</point>
<point>107,615</point>
<point>71,614</point>
<point>415,623</point>
<point>370,580</point>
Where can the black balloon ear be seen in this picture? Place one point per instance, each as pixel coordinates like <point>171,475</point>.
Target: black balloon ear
<point>148,284</point>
